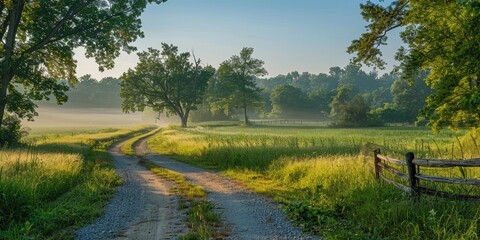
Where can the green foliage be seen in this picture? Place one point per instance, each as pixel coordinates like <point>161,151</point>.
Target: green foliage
<point>166,81</point>
<point>441,37</point>
<point>320,100</point>
<point>390,114</point>
<point>409,97</point>
<point>322,88</point>
<point>38,45</point>
<point>90,93</point>
<point>236,86</point>
<point>11,131</point>
<point>289,102</point>
<point>350,109</point>
<point>204,113</point>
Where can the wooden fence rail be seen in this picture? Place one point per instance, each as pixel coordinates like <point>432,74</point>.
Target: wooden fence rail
<point>413,176</point>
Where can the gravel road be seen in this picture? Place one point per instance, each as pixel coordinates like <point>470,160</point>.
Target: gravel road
<point>142,208</point>
<point>249,215</point>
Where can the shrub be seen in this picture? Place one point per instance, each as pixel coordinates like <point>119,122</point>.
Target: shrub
<point>11,131</point>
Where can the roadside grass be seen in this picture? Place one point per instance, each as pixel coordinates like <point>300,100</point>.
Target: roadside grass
<point>56,183</point>
<point>202,220</point>
<point>127,147</point>
<point>326,185</point>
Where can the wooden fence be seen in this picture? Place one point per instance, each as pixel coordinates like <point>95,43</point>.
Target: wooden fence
<point>413,176</point>
<point>289,122</point>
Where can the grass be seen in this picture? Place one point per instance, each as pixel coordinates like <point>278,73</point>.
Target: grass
<point>324,179</point>
<point>56,183</point>
<point>201,218</point>
<point>127,146</point>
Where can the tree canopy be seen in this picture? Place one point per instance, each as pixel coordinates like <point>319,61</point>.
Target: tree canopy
<point>236,86</point>
<point>39,38</point>
<point>166,81</point>
<point>289,101</point>
<point>440,36</point>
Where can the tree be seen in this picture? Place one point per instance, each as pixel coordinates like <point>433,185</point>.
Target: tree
<point>38,39</point>
<point>440,36</point>
<point>237,86</point>
<point>350,109</point>
<point>166,81</point>
<point>409,97</point>
<point>320,99</point>
<point>343,95</point>
<point>289,101</point>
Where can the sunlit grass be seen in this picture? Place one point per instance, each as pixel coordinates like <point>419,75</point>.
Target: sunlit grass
<point>325,179</point>
<point>56,183</point>
<point>201,218</point>
<point>127,146</point>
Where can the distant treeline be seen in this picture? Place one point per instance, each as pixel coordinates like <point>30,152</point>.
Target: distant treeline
<point>348,95</point>
<point>92,93</point>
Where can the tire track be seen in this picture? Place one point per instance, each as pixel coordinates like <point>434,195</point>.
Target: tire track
<point>142,208</point>
<point>249,215</point>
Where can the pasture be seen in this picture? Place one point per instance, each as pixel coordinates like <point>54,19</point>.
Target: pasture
<point>324,178</point>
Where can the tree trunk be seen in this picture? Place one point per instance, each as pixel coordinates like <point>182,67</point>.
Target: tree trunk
<point>9,46</point>
<point>245,114</point>
<point>3,102</point>
<point>184,119</point>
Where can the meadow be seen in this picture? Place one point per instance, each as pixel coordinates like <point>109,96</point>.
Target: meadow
<point>324,179</point>
<point>57,181</point>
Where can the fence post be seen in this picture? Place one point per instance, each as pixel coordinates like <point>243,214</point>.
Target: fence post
<point>411,173</point>
<point>376,166</point>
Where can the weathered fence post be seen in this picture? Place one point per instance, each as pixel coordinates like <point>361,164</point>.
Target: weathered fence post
<point>376,166</point>
<point>411,173</point>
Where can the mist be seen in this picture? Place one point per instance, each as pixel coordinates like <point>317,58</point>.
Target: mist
<point>67,117</point>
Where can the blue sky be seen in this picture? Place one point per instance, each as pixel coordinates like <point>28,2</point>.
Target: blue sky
<point>302,35</point>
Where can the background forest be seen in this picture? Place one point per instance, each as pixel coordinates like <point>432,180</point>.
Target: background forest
<point>348,95</point>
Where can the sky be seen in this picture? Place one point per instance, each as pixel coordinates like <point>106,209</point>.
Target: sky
<point>303,35</point>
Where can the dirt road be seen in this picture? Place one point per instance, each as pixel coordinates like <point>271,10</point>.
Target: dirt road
<point>249,215</point>
<point>142,208</point>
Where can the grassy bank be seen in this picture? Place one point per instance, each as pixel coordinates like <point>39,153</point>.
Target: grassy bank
<point>325,182</point>
<point>56,183</point>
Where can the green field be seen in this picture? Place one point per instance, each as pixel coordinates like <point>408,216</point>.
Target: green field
<point>57,182</point>
<point>324,178</point>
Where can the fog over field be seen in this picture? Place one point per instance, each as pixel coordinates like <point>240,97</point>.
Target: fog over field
<point>62,117</point>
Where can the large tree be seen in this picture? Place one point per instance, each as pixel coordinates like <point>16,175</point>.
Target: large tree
<point>166,81</point>
<point>38,39</point>
<point>440,36</point>
<point>237,87</point>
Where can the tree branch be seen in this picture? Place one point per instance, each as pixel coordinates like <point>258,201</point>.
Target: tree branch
<point>50,38</point>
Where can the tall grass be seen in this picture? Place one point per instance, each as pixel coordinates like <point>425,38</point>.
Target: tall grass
<point>56,183</point>
<point>325,181</point>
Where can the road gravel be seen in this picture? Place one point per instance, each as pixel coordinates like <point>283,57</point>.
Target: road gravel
<point>249,215</point>
<point>142,208</point>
